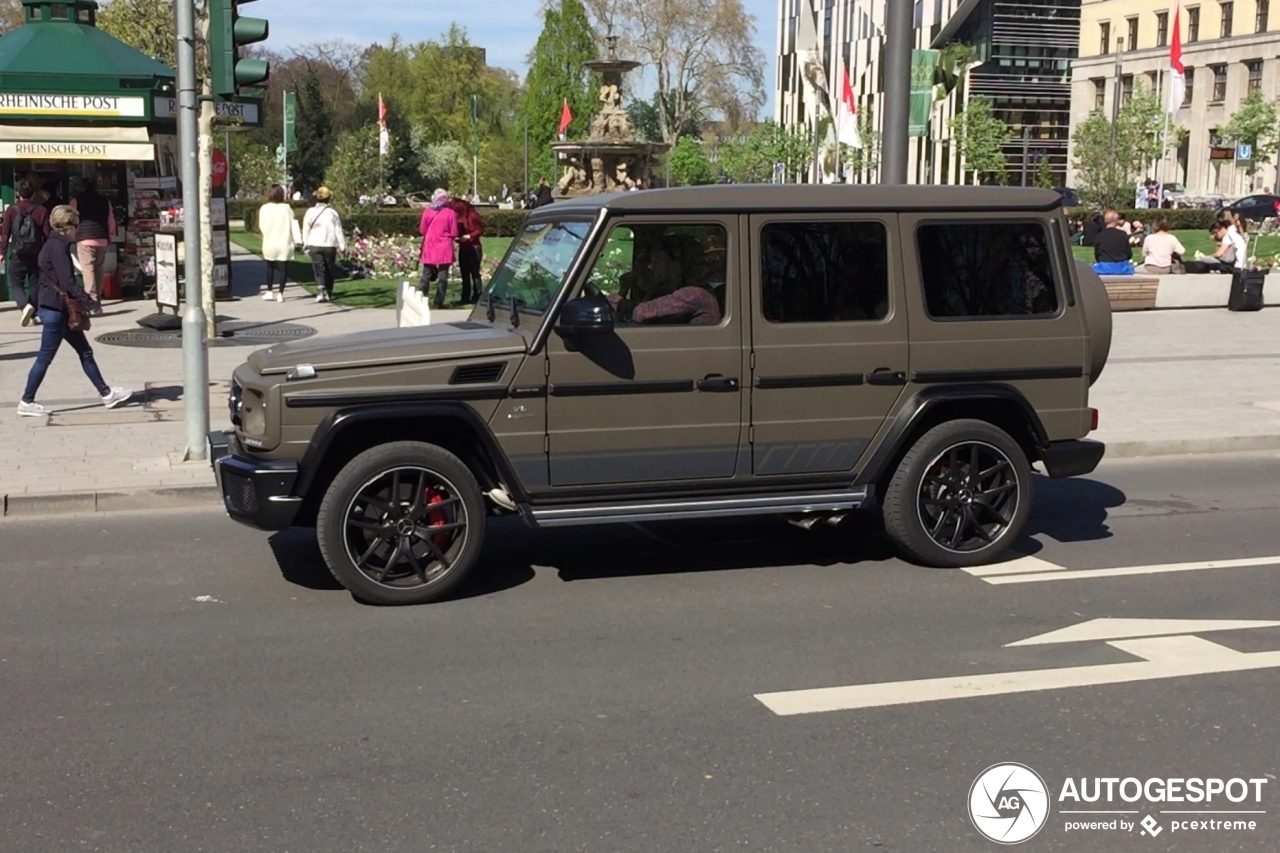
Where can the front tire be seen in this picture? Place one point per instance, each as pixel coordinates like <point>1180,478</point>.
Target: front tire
<point>960,497</point>
<point>402,523</point>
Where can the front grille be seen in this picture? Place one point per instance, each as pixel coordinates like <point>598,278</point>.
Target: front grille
<point>475,374</point>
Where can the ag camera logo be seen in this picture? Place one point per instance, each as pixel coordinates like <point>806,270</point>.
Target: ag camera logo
<point>1009,803</point>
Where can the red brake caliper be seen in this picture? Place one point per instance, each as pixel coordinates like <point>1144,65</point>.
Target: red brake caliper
<point>437,517</point>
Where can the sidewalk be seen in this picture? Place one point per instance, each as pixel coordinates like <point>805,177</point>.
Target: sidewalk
<point>1193,381</point>
<point>85,458</point>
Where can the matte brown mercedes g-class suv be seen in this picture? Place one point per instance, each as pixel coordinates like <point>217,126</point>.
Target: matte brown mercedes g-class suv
<point>692,353</point>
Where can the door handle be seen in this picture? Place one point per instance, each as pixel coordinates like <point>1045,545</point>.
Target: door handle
<point>716,382</point>
<point>885,376</point>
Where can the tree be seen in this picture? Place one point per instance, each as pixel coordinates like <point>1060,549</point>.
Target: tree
<point>1255,124</point>
<point>753,157</point>
<point>556,76</point>
<point>689,163</point>
<point>980,136</point>
<point>314,133</point>
<point>702,53</point>
<point>254,169</point>
<point>1107,176</point>
<point>354,171</point>
<point>1044,173</point>
<point>11,15</point>
<point>147,25</point>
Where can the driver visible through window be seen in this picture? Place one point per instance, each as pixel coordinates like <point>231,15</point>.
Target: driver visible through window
<point>663,274</point>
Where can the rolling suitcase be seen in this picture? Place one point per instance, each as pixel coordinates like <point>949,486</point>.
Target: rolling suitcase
<point>1246,290</point>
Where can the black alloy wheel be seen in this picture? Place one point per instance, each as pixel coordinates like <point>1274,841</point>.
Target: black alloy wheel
<point>402,523</point>
<point>960,497</point>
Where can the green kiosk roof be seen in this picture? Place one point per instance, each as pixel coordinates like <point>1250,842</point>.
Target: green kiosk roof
<point>60,48</point>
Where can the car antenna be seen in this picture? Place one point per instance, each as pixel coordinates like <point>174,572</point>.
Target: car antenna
<point>489,312</point>
<point>515,313</point>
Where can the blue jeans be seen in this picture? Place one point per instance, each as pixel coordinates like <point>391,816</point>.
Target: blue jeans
<point>53,331</point>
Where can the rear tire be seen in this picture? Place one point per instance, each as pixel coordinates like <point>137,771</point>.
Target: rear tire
<point>960,497</point>
<point>402,523</point>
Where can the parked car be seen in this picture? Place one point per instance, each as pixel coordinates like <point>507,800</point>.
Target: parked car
<point>1255,207</point>
<point>694,353</point>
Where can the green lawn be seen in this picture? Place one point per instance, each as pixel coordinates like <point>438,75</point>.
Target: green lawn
<point>1262,247</point>
<point>366,292</point>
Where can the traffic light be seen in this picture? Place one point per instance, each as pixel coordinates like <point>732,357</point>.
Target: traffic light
<point>228,34</point>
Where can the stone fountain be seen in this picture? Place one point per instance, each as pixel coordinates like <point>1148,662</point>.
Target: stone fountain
<point>611,159</point>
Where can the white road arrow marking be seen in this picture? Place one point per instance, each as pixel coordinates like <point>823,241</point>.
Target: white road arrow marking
<point>1162,657</point>
<point>1035,570</point>
<point>1118,629</point>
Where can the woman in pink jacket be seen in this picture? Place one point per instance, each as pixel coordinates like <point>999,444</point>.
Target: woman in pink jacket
<point>439,229</point>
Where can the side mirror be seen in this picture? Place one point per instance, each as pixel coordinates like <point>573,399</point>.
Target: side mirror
<point>585,316</point>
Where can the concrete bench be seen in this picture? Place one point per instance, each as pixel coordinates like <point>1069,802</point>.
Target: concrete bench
<point>1143,291</point>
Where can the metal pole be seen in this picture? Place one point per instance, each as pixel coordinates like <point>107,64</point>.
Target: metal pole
<point>1115,101</point>
<point>899,37</point>
<point>195,353</point>
<point>525,189</point>
<point>284,142</point>
<point>1026,141</point>
<point>226,149</point>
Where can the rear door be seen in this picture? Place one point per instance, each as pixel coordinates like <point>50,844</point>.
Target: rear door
<point>829,339</point>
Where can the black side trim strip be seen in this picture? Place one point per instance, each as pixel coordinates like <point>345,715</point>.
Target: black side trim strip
<point>827,380</point>
<point>926,377</point>
<point>372,398</point>
<point>608,389</point>
<point>522,391</point>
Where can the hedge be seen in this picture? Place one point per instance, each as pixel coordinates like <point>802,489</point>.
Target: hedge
<point>1180,218</point>
<point>404,220</point>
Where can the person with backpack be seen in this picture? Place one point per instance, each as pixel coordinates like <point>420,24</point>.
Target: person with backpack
<point>22,236</point>
<point>97,230</point>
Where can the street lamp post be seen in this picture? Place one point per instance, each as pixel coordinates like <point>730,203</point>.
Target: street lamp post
<point>1115,100</point>
<point>899,36</point>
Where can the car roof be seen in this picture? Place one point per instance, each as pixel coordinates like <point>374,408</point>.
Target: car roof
<point>802,197</point>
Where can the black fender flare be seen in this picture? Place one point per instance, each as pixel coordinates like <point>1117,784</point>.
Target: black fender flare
<point>336,423</point>
<point>921,403</point>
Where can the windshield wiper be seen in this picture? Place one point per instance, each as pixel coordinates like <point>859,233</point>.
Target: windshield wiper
<point>489,312</point>
<point>515,312</point>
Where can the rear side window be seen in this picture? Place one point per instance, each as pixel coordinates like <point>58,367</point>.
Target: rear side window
<point>987,269</point>
<point>824,272</point>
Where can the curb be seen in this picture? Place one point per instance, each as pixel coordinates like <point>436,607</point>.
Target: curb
<point>1190,446</point>
<point>66,503</point>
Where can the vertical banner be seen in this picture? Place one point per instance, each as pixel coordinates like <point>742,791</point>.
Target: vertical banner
<point>923,65</point>
<point>290,122</point>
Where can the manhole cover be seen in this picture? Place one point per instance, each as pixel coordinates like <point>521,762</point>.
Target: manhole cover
<point>230,334</point>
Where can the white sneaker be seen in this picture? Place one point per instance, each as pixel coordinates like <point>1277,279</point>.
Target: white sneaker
<point>116,397</point>
<point>266,296</point>
<point>31,410</point>
<point>321,296</point>
<point>28,314</point>
<point>279,297</point>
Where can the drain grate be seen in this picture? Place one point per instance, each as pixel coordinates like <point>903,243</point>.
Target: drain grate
<point>230,334</point>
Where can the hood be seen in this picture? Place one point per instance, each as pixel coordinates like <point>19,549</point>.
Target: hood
<point>389,346</point>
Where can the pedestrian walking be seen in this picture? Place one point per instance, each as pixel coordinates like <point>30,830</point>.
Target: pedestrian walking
<point>97,230</point>
<point>439,228</point>
<point>22,235</point>
<point>322,239</point>
<point>470,252</point>
<point>280,239</point>
<point>543,196</point>
<point>64,308</point>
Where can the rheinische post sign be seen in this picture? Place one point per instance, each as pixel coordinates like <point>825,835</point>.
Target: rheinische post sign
<point>87,106</point>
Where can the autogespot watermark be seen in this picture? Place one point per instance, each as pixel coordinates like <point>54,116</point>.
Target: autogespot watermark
<point>1010,803</point>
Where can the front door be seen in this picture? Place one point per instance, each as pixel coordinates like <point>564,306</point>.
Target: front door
<point>829,339</point>
<point>660,397</point>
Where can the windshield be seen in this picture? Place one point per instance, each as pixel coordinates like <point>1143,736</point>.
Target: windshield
<point>536,264</point>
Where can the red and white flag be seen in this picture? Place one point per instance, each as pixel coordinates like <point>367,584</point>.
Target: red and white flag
<point>848,116</point>
<point>1177,73</point>
<point>566,117</point>
<point>384,137</point>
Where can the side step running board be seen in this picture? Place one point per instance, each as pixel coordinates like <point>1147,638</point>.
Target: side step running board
<point>716,508</point>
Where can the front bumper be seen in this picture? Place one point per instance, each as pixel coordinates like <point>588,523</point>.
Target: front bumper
<point>256,492</point>
<point>1072,458</point>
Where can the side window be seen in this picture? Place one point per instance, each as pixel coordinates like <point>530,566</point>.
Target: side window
<point>656,274</point>
<point>824,272</point>
<point>987,269</point>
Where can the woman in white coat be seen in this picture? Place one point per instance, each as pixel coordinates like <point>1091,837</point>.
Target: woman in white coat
<point>280,237</point>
